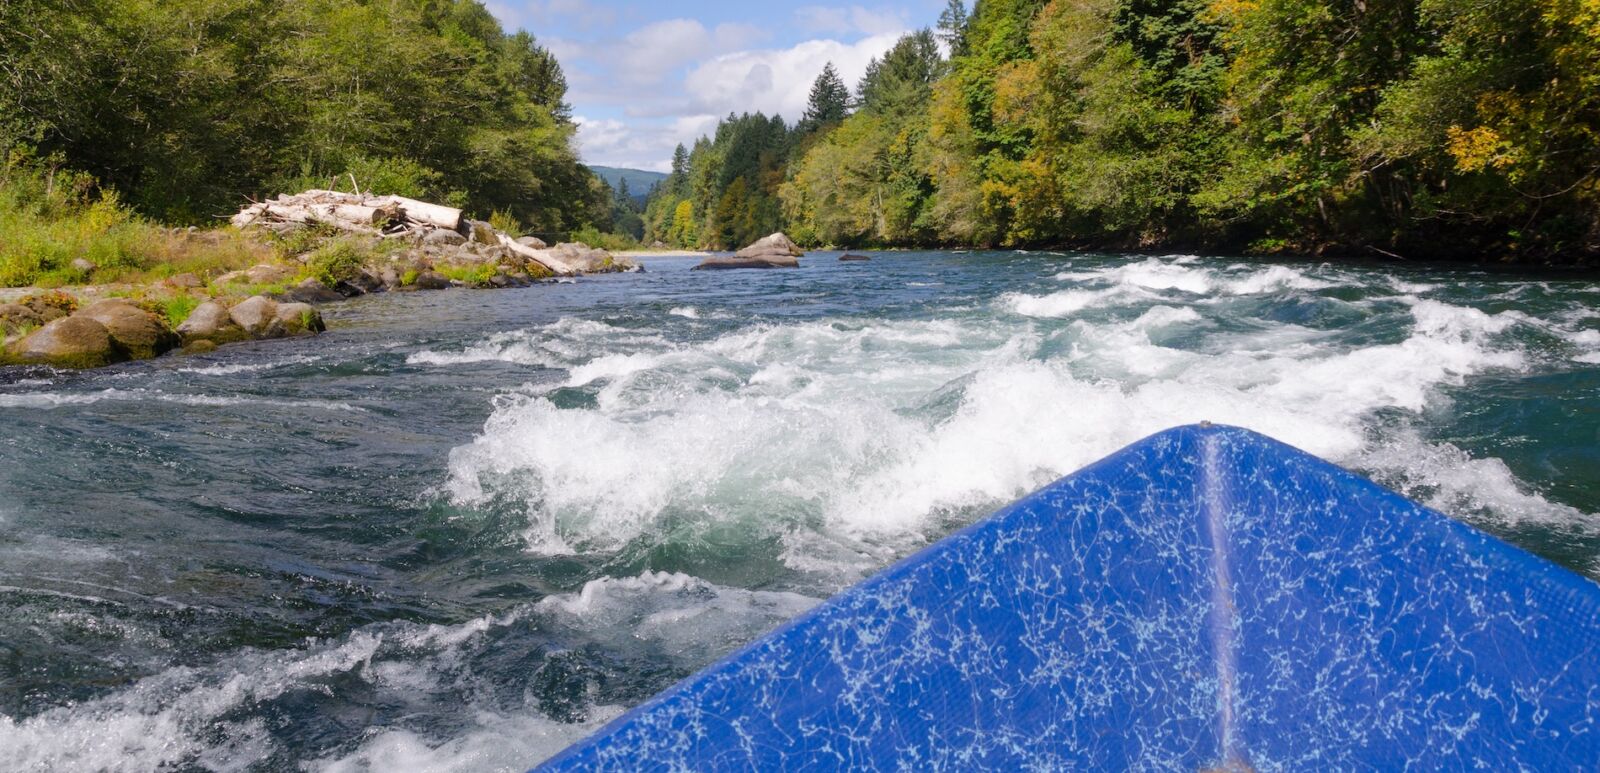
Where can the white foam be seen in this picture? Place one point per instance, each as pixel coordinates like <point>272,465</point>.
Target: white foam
<point>255,367</point>
<point>562,343</point>
<point>1274,279</point>
<point>497,743</point>
<point>687,312</point>
<point>48,400</point>
<point>169,720</point>
<point>871,430</point>
<point>1446,478</point>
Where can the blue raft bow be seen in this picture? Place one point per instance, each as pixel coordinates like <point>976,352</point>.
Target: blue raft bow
<point>1205,599</point>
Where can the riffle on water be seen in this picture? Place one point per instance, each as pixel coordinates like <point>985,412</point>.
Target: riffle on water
<point>464,528</point>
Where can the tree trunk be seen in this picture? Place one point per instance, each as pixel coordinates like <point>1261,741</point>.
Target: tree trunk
<point>423,212</point>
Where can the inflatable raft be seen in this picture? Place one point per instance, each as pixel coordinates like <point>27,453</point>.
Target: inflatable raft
<point>1205,599</point>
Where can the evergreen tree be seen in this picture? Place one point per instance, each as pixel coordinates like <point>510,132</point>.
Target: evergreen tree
<point>830,100</point>
<point>953,27</point>
<point>903,79</point>
<point>680,161</point>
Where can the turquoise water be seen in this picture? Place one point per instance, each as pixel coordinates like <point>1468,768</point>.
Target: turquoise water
<point>462,528</point>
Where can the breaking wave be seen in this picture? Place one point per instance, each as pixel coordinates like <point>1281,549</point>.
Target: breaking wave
<point>846,437</point>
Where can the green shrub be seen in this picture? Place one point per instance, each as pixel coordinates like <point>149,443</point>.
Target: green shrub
<point>472,275</point>
<point>336,261</point>
<point>506,223</point>
<point>594,237</point>
<point>178,308</point>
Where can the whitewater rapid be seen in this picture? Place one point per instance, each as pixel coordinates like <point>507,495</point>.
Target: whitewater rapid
<point>658,474</point>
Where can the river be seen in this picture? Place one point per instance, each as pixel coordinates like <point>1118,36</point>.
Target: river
<point>463,528</point>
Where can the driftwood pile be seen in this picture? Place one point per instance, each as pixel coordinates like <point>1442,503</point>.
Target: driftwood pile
<point>397,217</point>
<point>393,216</point>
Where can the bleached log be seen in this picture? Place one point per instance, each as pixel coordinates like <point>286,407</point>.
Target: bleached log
<point>289,213</point>
<point>542,257</point>
<point>360,215</point>
<point>332,197</point>
<point>423,212</point>
<point>248,215</point>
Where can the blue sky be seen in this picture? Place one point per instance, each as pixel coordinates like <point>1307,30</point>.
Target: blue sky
<point>643,77</point>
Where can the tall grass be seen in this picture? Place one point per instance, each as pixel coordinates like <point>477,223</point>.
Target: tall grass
<point>50,217</point>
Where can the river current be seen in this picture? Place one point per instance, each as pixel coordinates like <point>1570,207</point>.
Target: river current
<point>464,528</point>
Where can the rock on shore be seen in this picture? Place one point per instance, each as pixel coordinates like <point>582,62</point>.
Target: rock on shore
<point>775,251</point>
<point>138,332</point>
<point>116,330</point>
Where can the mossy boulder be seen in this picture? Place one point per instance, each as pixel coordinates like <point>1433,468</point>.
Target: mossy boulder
<point>211,322</point>
<point>142,334</point>
<point>431,280</point>
<point>14,318</point>
<point>69,342</point>
<point>257,316</point>
<point>299,319</point>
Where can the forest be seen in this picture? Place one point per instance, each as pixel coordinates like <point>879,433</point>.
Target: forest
<point>1416,129</point>
<point>1380,128</point>
<point>181,109</point>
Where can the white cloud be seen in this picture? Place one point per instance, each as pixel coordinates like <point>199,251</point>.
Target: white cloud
<point>638,145</point>
<point>645,86</point>
<point>835,20</point>
<point>778,81</point>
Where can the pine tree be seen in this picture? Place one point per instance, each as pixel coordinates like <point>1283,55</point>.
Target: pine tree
<point>830,100</point>
<point>953,27</point>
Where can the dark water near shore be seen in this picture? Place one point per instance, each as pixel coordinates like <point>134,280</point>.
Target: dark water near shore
<point>462,528</point>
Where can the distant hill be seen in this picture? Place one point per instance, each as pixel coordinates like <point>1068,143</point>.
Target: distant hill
<point>639,181</point>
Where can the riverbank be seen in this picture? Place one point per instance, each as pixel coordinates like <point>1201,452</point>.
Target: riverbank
<point>198,310</point>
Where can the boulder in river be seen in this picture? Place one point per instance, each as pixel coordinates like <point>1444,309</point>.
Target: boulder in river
<point>361,283</point>
<point>431,280</point>
<point>69,342</point>
<point>849,257</point>
<point>299,319</point>
<point>257,316</point>
<point>142,334</point>
<point>775,251</point>
<point>211,322</point>
<point>584,259</point>
<point>311,290</point>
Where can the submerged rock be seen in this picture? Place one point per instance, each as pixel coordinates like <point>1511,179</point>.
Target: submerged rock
<point>775,251</point>
<point>142,334</point>
<point>847,256</point>
<point>69,342</point>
